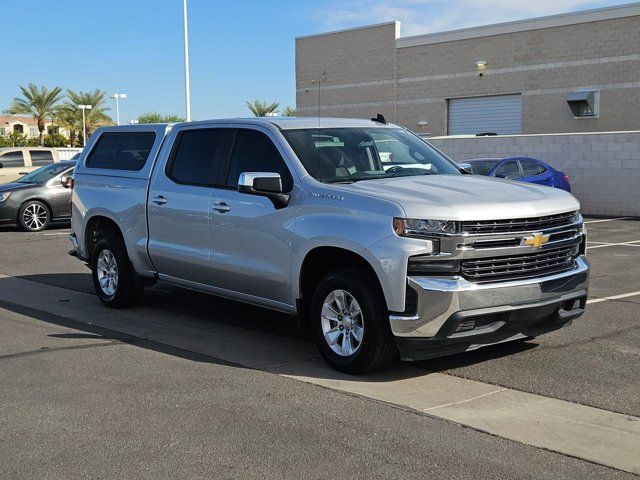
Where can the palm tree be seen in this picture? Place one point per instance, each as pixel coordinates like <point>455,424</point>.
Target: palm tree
<point>94,117</point>
<point>289,112</point>
<point>262,109</point>
<point>69,117</point>
<point>38,102</point>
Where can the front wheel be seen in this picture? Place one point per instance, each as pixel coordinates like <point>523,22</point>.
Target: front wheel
<point>112,273</point>
<point>34,216</point>
<point>350,322</point>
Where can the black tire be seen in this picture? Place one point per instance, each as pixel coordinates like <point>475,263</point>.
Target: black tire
<point>34,216</point>
<point>126,292</point>
<point>378,347</point>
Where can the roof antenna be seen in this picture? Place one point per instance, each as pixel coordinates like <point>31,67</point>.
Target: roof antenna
<point>380,119</point>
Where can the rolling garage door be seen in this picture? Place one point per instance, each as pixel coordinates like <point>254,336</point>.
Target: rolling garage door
<point>500,114</point>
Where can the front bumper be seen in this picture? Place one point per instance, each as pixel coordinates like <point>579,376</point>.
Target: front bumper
<point>497,312</point>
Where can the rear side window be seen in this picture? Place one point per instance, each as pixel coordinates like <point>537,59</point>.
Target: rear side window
<point>40,157</point>
<point>12,159</point>
<point>255,152</point>
<point>121,151</point>
<point>530,168</point>
<point>196,157</point>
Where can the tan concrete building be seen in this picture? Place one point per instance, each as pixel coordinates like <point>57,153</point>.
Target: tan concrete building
<point>576,72</point>
<point>27,126</point>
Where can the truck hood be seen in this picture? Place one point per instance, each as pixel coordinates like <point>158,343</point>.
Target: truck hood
<point>468,197</point>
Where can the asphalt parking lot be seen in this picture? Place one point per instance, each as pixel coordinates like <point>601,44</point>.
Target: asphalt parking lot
<point>196,386</point>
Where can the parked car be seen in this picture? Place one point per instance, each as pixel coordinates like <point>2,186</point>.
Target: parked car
<point>301,215</point>
<point>38,198</point>
<point>18,161</point>
<point>524,169</point>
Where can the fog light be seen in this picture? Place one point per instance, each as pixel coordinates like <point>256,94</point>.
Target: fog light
<point>425,265</point>
<point>466,326</point>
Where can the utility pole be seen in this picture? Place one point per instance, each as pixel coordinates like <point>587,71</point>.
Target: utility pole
<point>187,92</point>
<point>84,123</point>
<point>117,97</point>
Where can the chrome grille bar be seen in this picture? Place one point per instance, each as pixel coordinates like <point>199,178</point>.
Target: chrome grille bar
<point>517,224</point>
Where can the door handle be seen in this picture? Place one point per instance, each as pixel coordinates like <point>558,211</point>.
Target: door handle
<point>221,207</point>
<point>159,200</point>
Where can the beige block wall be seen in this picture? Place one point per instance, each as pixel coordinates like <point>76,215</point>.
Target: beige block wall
<point>365,74</point>
<point>603,168</point>
<point>337,59</point>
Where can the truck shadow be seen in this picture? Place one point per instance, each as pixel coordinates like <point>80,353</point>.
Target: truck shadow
<point>198,327</point>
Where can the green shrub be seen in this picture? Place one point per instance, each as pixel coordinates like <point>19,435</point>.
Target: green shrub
<point>56,140</point>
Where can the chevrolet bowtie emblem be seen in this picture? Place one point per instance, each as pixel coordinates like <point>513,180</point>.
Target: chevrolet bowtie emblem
<point>536,240</point>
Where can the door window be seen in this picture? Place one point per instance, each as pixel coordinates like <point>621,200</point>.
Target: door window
<point>196,158</point>
<point>12,159</point>
<point>530,168</point>
<point>253,151</point>
<point>508,170</point>
<point>40,157</point>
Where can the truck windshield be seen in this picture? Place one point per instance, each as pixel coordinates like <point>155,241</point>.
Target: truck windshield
<point>352,154</point>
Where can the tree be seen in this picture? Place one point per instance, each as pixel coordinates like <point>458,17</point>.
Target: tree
<point>94,117</point>
<point>155,117</point>
<point>69,117</point>
<point>262,109</point>
<point>37,102</point>
<point>289,112</point>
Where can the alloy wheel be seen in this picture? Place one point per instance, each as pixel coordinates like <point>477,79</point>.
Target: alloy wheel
<point>342,323</point>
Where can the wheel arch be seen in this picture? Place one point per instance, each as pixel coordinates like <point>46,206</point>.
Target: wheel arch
<point>321,260</point>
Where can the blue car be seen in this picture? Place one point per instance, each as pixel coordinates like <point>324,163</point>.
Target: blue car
<point>524,169</point>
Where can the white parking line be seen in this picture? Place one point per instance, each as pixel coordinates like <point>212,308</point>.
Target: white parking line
<point>53,234</point>
<point>624,244</point>
<point>608,219</point>
<point>614,297</point>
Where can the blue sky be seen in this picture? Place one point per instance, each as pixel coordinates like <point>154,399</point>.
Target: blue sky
<point>240,50</point>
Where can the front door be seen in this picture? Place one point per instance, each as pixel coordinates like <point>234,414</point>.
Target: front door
<point>179,206</point>
<point>250,238</point>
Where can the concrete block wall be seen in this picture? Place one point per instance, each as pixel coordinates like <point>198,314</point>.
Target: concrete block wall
<point>603,168</point>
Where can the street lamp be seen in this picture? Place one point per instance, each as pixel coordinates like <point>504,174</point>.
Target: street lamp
<point>84,123</point>
<point>187,93</point>
<point>117,97</point>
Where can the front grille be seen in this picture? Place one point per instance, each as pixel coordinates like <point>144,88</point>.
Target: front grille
<point>518,224</point>
<point>514,267</point>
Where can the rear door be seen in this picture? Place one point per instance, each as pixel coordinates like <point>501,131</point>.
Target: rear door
<point>533,172</point>
<point>251,239</point>
<point>179,212</point>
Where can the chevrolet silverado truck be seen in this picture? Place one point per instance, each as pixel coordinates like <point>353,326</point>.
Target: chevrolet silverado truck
<point>374,238</point>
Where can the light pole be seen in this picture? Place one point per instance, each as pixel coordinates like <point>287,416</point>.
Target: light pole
<point>117,97</point>
<point>187,93</point>
<point>84,123</point>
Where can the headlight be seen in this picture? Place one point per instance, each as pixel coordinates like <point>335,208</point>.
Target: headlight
<point>4,196</point>
<point>413,227</point>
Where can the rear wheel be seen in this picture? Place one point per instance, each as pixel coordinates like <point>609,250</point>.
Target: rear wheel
<point>34,216</point>
<point>350,322</point>
<point>112,272</point>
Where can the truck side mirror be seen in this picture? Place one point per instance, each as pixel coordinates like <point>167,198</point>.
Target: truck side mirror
<point>264,184</point>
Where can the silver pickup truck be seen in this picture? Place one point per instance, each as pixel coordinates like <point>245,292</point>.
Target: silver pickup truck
<point>375,239</point>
